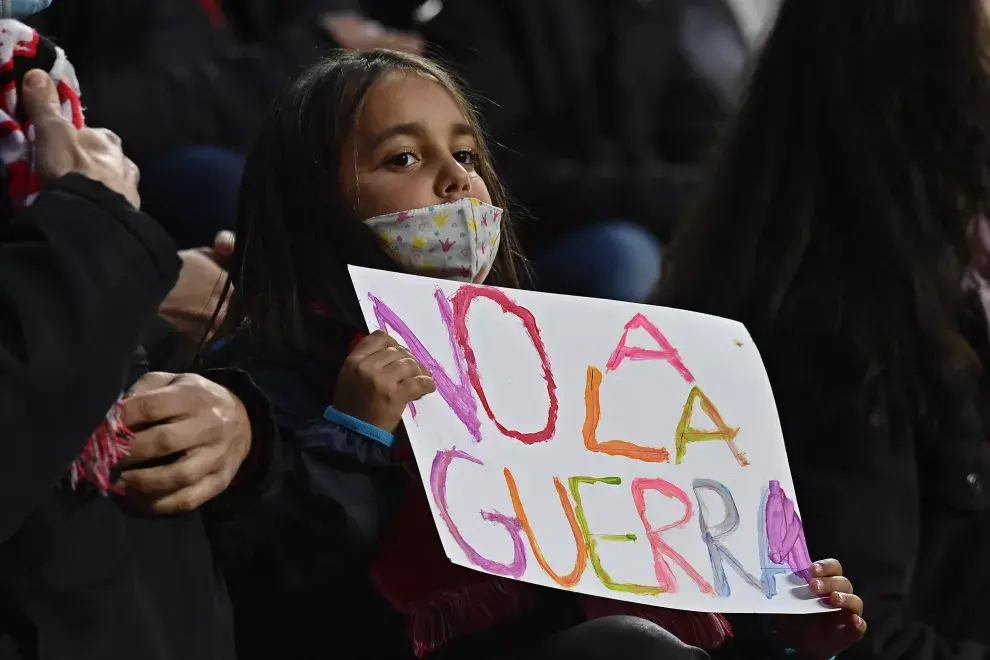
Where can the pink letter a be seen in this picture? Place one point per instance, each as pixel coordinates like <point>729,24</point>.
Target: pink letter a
<point>666,352</point>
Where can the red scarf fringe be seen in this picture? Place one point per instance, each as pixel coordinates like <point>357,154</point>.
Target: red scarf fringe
<point>108,445</point>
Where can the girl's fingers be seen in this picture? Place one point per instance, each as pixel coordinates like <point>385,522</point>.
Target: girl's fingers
<point>859,623</point>
<point>400,370</point>
<point>826,586</point>
<point>417,387</point>
<point>849,602</point>
<point>826,568</point>
<point>846,635</point>
<point>371,344</point>
<point>386,356</point>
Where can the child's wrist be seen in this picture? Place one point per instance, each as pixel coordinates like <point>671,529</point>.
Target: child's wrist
<point>359,426</point>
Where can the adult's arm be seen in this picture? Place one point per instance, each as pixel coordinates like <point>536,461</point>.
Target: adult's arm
<point>81,275</point>
<point>860,502</point>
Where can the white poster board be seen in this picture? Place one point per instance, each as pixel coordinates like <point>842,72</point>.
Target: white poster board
<point>617,450</point>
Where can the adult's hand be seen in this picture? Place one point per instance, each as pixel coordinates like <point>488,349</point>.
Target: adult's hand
<point>223,249</point>
<point>355,32</point>
<point>189,417</point>
<point>61,149</point>
<point>192,303</point>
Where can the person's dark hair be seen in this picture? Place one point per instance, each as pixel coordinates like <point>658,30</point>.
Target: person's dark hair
<point>837,212</point>
<point>296,232</point>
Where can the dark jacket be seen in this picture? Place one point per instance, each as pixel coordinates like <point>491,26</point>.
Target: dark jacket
<point>82,274</point>
<point>604,110</point>
<point>164,74</point>
<point>309,593</point>
<point>908,516</point>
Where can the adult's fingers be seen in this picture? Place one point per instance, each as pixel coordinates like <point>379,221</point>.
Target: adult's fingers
<point>406,42</point>
<point>149,382</point>
<point>161,440</point>
<point>53,133</point>
<point>190,498</point>
<point>112,137</point>
<point>157,407</point>
<point>826,568</point>
<point>134,173</point>
<point>223,248</point>
<point>99,139</point>
<point>189,470</point>
<point>40,96</point>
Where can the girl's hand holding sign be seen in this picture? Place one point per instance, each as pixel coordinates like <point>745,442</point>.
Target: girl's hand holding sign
<point>824,636</point>
<point>379,379</point>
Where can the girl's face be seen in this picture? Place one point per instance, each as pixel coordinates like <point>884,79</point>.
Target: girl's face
<point>412,147</point>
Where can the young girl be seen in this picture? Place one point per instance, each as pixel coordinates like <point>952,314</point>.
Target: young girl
<point>360,147</point>
<point>848,218</point>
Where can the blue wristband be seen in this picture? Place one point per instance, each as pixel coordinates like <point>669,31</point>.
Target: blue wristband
<point>331,414</point>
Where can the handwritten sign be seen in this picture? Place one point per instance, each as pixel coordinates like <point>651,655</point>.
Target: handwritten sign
<point>617,450</point>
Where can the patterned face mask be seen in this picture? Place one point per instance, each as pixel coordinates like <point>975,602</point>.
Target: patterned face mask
<point>454,241</point>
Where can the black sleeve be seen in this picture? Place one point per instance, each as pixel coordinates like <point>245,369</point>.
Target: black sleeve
<point>859,496</point>
<point>238,518</point>
<point>81,275</point>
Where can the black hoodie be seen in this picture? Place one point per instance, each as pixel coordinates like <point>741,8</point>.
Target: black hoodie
<point>81,276</point>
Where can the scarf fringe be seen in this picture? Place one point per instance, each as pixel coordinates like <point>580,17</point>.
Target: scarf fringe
<point>467,610</point>
<point>108,445</point>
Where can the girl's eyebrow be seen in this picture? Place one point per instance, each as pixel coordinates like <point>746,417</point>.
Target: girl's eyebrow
<point>415,129</point>
<point>462,129</point>
<point>410,129</point>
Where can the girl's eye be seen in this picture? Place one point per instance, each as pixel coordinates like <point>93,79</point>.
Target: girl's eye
<point>404,159</point>
<point>466,157</point>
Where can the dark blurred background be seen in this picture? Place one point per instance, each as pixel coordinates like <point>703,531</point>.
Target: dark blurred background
<point>603,112</point>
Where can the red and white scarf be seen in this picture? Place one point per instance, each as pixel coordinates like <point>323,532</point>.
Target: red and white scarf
<point>21,50</point>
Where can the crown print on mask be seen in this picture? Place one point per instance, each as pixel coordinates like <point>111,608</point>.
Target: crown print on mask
<point>454,241</point>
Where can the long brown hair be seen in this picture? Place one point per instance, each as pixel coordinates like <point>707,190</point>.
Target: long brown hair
<point>295,230</point>
<point>835,217</point>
